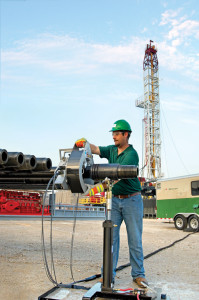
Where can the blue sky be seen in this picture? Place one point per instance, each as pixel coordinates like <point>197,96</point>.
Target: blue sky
<point>69,69</point>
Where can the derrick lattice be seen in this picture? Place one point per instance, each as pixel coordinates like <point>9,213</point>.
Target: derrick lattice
<point>151,104</point>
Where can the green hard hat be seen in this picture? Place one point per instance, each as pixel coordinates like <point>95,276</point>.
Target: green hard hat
<point>121,125</point>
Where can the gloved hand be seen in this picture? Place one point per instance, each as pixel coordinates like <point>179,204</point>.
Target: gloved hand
<point>81,143</point>
<point>98,188</point>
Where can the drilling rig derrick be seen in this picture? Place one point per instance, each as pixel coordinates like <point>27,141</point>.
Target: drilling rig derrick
<point>151,105</point>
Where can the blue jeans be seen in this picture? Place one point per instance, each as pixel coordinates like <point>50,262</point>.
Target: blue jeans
<point>131,211</point>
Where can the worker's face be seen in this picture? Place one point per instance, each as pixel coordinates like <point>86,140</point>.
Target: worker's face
<point>120,138</point>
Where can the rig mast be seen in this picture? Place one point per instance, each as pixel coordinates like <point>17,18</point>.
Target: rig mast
<point>151,105</point>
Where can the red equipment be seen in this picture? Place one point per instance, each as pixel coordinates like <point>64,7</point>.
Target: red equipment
<point>21,203</point>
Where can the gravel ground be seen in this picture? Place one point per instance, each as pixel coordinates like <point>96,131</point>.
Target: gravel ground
<point>23,277</point>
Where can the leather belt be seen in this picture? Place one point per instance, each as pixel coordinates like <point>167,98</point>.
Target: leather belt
<point>126,196</point>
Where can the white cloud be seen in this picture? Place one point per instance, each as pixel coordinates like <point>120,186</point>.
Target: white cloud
<point>14,56</point>
<point>49,41</point>
<point>180,28</point>
<point>168,17</point>
<point>174,59</point>
<point>63,53</point>
<point>176,43</point>
<point>184,29</point>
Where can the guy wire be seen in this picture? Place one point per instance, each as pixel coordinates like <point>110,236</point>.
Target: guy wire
<point>179,156</point>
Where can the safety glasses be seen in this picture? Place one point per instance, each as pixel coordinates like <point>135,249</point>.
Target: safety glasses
<point>116,133</point>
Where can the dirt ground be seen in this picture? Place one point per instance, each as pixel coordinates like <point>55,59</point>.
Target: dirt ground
<point>23,277</point>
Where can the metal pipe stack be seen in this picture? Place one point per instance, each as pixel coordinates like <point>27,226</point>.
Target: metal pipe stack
<point>19,171</point>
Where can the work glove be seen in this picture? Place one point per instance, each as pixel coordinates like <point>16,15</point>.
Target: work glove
<point>98,188</point>
<point>81,143</point>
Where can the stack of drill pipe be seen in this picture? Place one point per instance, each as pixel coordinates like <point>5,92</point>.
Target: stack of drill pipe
<point>25,180</point>
<point>19,171</point>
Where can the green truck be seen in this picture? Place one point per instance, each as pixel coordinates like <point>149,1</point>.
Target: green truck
<point>178,199</point>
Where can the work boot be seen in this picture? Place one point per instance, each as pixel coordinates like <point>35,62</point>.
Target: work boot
<point>141,282</point>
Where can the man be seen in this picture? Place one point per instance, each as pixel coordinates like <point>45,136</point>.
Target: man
<point>127,203</point>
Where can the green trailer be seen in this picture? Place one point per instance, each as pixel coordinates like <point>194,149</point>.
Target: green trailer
<point>178,199</point>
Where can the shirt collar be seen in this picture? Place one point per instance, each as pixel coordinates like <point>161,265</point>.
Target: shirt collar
<point>126,150</point>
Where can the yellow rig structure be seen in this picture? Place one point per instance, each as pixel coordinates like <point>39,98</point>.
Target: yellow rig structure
<point>97,199</point>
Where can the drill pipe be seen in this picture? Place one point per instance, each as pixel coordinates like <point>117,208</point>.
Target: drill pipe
<point>15,159</point>
<point>112,171</point>
<point>43,164</point>
<point>3,157</point>
<point>29,163</point>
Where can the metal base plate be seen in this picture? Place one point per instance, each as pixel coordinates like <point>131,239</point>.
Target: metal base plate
<point>96,291</point>
<point>60,293</point>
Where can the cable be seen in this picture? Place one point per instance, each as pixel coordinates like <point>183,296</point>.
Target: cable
<point>51,274</point>
<point>51,246</point>
<point>72,239</point>
<point>42,237</point>
<point>93,277</point>
<point>156,251</point>
<point>48,273</point>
